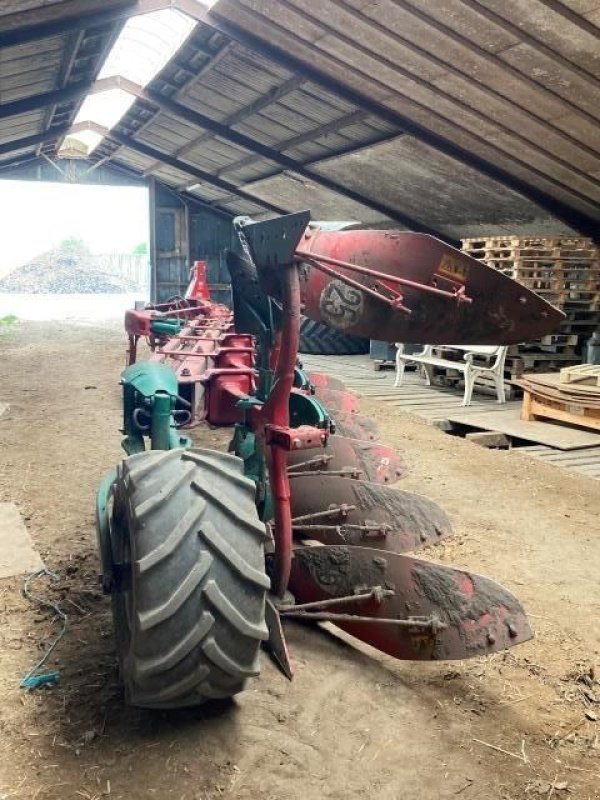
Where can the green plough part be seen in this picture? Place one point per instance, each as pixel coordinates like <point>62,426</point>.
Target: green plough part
<point>150,394</point>
<point>103,528</point>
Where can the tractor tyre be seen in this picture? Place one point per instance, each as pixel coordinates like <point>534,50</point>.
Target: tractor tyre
<point>189,603</point>
<point>317,339</point>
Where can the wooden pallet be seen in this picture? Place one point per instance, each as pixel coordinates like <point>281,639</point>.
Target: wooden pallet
<point>516,366</point>
<point>565,271</point>
<point>572,413</point>
<point>583,373</point>
<point>556,247</point>
<point>561,269</point>
<point>578,320</point>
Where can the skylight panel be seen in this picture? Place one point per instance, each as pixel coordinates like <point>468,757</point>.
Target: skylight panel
<point>143,48</point>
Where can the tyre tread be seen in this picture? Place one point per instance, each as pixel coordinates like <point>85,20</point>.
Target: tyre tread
<point>197,552</point>
<point>318,339</point>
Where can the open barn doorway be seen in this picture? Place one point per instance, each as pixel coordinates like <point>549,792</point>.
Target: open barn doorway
<point>72,251</point>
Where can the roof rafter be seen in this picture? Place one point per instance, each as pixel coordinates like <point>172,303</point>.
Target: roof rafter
<point>32,141</point>
<point>572,216</point>
<point>45,99</point>
<point>323,130</point>
<point>54,20</point>
<point>253,146</point>
<point>247,111</point>
<point>169,160</point>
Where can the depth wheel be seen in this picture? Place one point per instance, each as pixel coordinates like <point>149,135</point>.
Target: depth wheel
<point>189,604</point>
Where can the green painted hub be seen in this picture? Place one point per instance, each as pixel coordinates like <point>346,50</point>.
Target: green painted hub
<point>150,394</point>
<point>149,377</point>
<point>307,410</point>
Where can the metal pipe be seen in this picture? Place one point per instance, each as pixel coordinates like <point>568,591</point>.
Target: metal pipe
<point>376,593</point>
<point>330,512</point>
<point>433,624</point>
<point>356,284</point>
<point>372,273</point>
<point>276,412</point>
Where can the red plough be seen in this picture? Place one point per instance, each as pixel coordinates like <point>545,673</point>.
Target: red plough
<point>207,553</point>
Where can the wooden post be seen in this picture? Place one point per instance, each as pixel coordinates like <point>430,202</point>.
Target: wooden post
<point>526,407</point>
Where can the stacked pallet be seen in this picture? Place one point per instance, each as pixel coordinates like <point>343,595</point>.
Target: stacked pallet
<point>572,396</point>
<point>565,271</point>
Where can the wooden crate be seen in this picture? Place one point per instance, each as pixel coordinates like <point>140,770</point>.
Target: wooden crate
<point>572,413</point>
<point>554,248</point>
<point>559,268</point>
<point>565,271</point>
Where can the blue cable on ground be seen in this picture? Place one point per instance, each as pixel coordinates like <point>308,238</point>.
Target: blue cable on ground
<point>33,679</point>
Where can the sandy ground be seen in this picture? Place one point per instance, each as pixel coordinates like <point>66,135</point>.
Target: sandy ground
<point>352,724</point>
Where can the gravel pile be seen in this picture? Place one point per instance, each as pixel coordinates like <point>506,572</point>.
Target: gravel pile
<point>64,270</point>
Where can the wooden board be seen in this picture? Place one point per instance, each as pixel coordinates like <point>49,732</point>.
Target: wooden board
<point>507,421</point>
<point>569,413</point>
<point>17,553</point>
<point>584,373</point>
<point>487,408</point>
<point>585,461</point>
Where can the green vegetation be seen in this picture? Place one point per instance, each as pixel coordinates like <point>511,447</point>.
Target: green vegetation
<point>73,243</point>
<point>140,249</point>
<point>7,321</point>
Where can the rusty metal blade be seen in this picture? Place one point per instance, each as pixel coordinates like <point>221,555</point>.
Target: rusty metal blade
<point>321,380</point>
<point>276,643</point>
<point>336,400</point>
<point>470,615</point>
<point>369,461</point>
<point>338,510</point>
<point>355,426</point>
<point>501,310</point>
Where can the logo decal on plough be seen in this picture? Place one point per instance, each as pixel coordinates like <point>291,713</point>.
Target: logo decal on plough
<point>341,305</point>
<point>206,553</point>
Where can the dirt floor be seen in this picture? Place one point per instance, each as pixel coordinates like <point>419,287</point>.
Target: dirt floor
<point>353,724</point>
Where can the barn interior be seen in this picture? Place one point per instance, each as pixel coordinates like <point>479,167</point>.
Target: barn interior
<point>469,123</point>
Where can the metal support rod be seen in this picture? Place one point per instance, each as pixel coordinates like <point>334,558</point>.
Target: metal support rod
<point>316,461</point>
<point>330,512</point>
<point>376,593</point>
<point>383,528</point>
<point>356,284</point>
<point>345,471</point>
<point>372,273</point>
<point>433,624</point>
<point>276,412</point>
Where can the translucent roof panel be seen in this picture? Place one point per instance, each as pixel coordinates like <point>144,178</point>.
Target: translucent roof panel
<point>146,44</point>
<point>105,108</point>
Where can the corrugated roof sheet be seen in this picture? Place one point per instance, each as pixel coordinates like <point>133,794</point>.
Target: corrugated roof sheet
<point>46,63</point>
<point>461,69</point>
<point>450,115</point>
